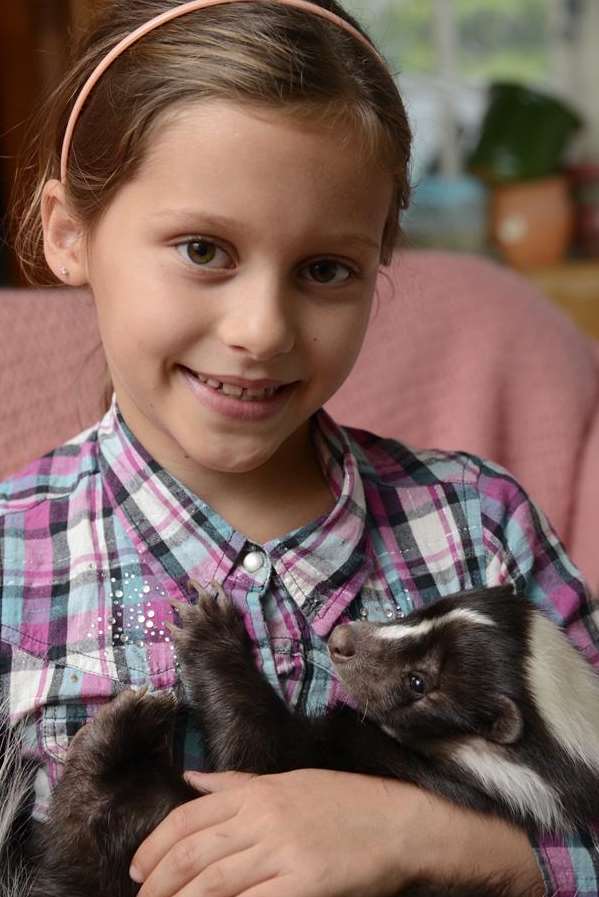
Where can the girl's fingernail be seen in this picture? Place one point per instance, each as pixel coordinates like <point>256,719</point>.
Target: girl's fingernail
<point>135,874</point>
<point>192,779</point>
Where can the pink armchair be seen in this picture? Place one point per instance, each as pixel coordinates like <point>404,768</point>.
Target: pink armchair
<point>461,354</point>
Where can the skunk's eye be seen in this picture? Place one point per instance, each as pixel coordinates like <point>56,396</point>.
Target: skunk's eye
<point>416,683</point>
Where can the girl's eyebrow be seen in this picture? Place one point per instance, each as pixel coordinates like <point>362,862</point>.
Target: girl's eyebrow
<point>193,218</point>
<point>187,216</point>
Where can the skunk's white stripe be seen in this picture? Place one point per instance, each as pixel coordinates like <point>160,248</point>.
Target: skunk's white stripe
<point>520,786</point>
<point>566,691</point>
<point>405,630</point>
<point>15,784</point>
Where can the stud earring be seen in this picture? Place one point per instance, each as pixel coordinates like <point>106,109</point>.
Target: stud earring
<point>64,271</point>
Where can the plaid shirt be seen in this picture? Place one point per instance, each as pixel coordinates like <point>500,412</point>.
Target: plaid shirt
<point>95,538</point>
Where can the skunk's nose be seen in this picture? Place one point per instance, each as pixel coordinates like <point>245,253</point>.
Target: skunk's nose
<point>342,644</point>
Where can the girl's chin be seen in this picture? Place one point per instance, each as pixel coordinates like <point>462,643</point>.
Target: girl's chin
<point>223,461</point>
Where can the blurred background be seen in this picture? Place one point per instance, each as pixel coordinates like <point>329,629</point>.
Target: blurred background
<point>503,100</point>
<point>502,97</point>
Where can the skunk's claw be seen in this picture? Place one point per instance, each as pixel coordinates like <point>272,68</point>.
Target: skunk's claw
<point>172,627</point>
<point>214,592</point>
<point>179,606</point>
<point>187,613</point>
<point>197,587</point>
<point>212,619</point>
<point>221,597</point>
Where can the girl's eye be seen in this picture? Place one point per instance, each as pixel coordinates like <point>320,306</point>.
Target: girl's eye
<point>326,271</point>
<point>202,252</point>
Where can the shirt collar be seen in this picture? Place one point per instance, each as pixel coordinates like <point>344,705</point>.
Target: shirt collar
<point>322,565</point>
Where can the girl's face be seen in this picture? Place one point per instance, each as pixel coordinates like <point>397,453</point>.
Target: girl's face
<point>243,256</point>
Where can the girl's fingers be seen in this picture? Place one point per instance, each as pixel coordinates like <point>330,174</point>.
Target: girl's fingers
<point>233,876</point>
<point>228,875</point>
<point>198,815</point>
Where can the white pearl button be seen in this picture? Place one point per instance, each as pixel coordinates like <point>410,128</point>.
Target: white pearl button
<point>253,561</point>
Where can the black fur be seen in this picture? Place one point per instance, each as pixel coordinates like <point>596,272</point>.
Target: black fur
<point>119,780</point>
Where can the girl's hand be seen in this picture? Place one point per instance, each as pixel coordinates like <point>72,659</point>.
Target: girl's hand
<point>315,833</point>
<point>307,833</point>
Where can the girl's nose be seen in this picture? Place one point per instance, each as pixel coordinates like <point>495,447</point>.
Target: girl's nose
<point>261,320</point>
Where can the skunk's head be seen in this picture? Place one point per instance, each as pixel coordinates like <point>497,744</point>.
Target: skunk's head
<point>453,668</point>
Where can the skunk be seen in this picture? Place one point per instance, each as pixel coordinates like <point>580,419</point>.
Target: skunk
<point>479,698</point>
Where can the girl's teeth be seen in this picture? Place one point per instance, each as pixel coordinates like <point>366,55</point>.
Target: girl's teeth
<point>230,389</point>
<point>257,393</point>
<point>237,392</point>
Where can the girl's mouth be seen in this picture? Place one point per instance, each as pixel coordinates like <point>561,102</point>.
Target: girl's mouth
<point>251,402</point>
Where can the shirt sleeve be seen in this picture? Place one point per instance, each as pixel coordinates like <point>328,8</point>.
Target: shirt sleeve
<point>522,548</point>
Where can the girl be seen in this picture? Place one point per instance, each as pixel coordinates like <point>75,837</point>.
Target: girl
<point>230,186</point>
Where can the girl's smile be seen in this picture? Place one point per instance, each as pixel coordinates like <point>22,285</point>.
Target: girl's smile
<point>237,398</point>
<point>233,277</point>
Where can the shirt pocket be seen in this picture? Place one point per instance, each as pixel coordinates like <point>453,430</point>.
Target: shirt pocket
<point>59,724</point>
<point>73,697</point>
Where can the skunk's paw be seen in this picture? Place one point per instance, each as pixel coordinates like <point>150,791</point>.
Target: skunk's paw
<point>212,624</point>
<point>127,719</point>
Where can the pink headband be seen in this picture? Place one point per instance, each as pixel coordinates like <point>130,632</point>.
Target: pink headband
<point>167,17</point>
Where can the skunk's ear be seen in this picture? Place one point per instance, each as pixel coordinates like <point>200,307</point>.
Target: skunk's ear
<point>508,723</point>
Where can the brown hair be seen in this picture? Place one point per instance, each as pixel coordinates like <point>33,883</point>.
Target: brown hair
<point>267,54</point>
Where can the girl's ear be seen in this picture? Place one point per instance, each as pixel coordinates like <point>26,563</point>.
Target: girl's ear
<point>64,236</point>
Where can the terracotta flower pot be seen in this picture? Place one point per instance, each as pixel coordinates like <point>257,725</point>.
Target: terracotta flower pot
<point>532,222</point>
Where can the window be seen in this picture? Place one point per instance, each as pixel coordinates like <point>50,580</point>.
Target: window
<point>446,52</point>
<point>494,39</point>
